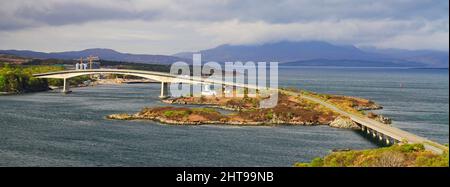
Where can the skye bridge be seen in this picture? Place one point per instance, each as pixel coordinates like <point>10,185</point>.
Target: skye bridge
<point>383,132</point>
<point>164,78</point>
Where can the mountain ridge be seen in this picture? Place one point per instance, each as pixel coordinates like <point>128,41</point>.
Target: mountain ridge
<point>291,52</point>
<point>286,52</point>
<point>103,53</point>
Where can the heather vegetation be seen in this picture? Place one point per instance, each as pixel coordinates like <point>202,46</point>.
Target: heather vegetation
<point>405,155</point>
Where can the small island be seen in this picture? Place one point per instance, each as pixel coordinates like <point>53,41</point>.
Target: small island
<point>290,110</point>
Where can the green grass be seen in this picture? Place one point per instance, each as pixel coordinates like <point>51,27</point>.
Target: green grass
<point>176,113</point>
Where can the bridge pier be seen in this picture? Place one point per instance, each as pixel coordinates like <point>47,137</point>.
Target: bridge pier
<point>389,140</point>
<point>66,86</point>
<point>164,90</point>
<point>222,90</point>
<point>380,136</point>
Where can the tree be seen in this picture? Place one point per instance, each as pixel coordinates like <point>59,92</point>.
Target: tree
<point>2,83</point>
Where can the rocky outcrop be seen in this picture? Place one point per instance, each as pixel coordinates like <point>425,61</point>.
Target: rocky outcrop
<point>121,116</point>
<point>369,107</point>
<point>344,122</point>
<point>379,118</point>
<point>384,119</point>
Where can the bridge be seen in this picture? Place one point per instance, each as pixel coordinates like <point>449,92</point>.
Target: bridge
<point>378,130</point>
<point>381,131</point>
<point>164,78</point>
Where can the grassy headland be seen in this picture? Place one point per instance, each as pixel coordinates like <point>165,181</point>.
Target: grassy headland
<point>405,155</point>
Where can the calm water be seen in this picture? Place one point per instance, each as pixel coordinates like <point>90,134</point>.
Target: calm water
<point>51,129</point>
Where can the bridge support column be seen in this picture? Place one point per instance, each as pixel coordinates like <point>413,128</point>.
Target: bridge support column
<point>222,91</point>
<point>66,87</point>
<point>388,142</point>
<point>164,90</point>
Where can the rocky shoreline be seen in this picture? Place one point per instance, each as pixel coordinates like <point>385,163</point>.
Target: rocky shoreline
<point>291,110</point>
<point>208,122</point>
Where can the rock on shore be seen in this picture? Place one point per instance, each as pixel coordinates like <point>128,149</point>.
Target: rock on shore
<point>344,122</point>
<point>120,116</point>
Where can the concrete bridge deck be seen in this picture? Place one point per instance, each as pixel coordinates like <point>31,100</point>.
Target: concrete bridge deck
<point>377,129</point>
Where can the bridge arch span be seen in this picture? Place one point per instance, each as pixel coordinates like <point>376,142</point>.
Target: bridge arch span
<point>164,78</point>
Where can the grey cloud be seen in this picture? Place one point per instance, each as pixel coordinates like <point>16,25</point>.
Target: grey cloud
<point>286,11</point>
<point>73,13</point>
<point>9,24</point>
<point>140,25</point>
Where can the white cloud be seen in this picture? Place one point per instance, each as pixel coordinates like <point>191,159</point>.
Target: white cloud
<point>380,33</point>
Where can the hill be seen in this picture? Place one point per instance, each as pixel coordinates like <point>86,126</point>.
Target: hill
<point>105,54</point>
<point>301,53</point>
<point>322,53</point>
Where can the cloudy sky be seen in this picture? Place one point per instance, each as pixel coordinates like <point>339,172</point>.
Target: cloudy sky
<point>171,26</point>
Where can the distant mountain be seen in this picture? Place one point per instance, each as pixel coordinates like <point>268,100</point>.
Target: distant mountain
<point>323,53</point>
<point>13,59</point>
<point>281,52</point>
<point>429,57</point>
<point>306,53</point>
<point>104,54</point>
<point>352,63</point>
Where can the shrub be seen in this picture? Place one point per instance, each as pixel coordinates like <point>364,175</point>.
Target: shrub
<point>301,164</point>
<point>407,148</point>
<point>390,159</point>
<point>317,162</point>
<point>2,83</point>
<point>269,115</point>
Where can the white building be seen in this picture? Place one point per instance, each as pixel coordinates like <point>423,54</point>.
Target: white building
<point>206,91</point>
